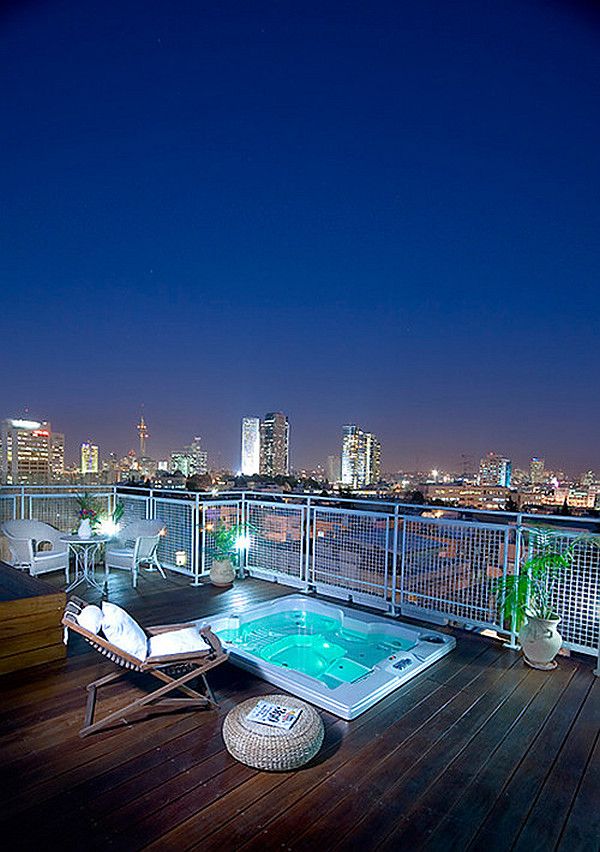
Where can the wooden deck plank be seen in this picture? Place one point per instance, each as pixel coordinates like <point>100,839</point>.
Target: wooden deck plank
<point>426,812</point>
<point>514,802</point>
<point>560,787</point>
<point>582,829</point>
<point>456,825</point>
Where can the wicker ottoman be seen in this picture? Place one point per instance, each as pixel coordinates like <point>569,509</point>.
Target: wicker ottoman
<point>265,747</point>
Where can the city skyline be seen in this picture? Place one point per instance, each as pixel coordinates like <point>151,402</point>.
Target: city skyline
<point>468,463</point>
<point>383,215</point>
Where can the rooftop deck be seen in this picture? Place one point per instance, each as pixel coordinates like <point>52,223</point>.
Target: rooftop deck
<point>479,753</point>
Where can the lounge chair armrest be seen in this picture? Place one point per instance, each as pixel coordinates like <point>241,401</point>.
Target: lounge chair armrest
<point>213,640</point>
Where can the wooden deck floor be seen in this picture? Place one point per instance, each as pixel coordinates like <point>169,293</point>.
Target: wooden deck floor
<point>478,753</point>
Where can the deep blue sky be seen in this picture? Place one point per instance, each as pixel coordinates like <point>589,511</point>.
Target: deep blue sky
<point>375,212</point>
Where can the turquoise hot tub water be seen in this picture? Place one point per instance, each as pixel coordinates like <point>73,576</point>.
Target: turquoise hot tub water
<point>336,657</point>
<point>316,645</point>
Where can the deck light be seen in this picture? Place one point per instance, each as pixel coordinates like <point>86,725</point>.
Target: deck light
<point>106,526</point>
<point>242,542</point>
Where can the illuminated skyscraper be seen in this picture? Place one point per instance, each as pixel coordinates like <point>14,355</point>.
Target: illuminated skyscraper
<point>89,458</point>
<point>31,452</point>
<point>250,445</point>
<point>191,459</point>
<point>495,470</point>
<point>361,456</point>
<point>275,445</point>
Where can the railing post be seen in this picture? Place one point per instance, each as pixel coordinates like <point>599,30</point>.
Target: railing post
<point>196,540</point>
<point>243,525</point>
<point>392,603</point>
<point>202,537</point>
<point>402,564</point>
<point>307,539</point>
<point>513,642</point>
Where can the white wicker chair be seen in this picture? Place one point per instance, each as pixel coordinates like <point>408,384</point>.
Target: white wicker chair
<point>136,543</point>
<point>36,547</point>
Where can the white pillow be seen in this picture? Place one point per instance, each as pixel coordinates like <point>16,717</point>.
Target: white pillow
<point>123,631</point>
<point>176,642</point>
<point>90,618</point>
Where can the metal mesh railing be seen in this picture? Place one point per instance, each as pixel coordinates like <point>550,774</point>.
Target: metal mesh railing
<point>213,514</point>
<point>352,551</point>
<point>176,549</point>
<point>450,568</point>
<point>8,511</point>
<point>135,508</point>
<point>60,510</point>
<point>277,535</point>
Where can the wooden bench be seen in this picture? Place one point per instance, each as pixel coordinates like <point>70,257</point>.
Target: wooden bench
<point>30,614</point>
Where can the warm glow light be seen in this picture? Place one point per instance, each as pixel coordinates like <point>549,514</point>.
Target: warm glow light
<point>209,527</point>
<point>106,526</point>
<point>242,542</point>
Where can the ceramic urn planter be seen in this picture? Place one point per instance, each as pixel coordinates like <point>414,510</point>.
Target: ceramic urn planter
<point>540,641</point>
<point>222,573</point>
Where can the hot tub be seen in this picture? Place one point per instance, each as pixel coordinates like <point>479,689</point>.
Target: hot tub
<point>335,657</point>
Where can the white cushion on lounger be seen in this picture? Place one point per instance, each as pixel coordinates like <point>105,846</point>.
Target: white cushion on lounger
<point>176,642</point>
<point>90,618</point>
<point>123,631</point>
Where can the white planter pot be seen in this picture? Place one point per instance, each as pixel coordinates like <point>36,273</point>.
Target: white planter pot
<point>222,573</point>
<point>540,641</point>
<point>85,529</point>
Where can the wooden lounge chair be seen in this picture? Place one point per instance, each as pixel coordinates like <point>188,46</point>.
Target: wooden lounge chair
<point>174,670</point>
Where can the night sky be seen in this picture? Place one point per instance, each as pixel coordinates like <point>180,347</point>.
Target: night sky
<point>383,213</point>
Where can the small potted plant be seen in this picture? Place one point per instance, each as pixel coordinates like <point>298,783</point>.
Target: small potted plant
<point>526,598</point>
<point>228,545</point>
<point>88,515</point>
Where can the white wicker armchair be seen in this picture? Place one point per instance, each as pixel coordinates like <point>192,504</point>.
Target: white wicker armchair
<point>36,547</point>
<point>135,544</point>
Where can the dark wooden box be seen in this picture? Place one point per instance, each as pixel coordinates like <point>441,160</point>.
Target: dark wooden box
<point>30,628</point>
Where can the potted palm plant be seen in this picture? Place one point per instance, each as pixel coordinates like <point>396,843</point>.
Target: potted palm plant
<point>229,541</point>
<point>526,598</point>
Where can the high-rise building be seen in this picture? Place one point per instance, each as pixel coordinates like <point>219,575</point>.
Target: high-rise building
<point>538,471</point>
<point>143,435</point>
<point>191,459</point>
<point>31,452</point>
<point>250,446</point>
<point>361,457</point>
<point>495,470</point>
<point>89,458</point>
<point>275,445</point>
<point>334,468</point>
